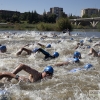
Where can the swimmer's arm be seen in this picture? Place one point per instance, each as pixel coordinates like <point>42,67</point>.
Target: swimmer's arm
<point>97,44</point>
<point>61,63</point>
<point>76,47</point>
<point>41,45</point>
<point>28,45</point>
<point>78,44</point>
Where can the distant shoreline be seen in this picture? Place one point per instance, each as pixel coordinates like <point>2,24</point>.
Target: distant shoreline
<point>32,27</point>
<point>77,30</point>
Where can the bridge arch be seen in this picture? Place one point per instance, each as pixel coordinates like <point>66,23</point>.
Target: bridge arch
<point>93,21</point>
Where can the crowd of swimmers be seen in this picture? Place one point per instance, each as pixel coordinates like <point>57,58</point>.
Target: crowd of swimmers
<point>48,71</point>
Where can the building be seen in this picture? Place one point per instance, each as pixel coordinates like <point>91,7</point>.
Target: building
<point>56,10</point>
<point>90,11</point>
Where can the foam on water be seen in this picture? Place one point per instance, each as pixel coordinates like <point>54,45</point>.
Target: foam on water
<point>63,85</point>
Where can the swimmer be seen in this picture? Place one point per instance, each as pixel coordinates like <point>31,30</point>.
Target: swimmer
<point>68,61</point>
<point>34,75</point>
<point>47,55</point>
<point>75,59</point>
<point>85,67</point>
<point>29,51</point>
<point>94,53</point>
<point>79,44</point>
<point>44,37</point>
<point>77,55</point>
<point>67,30</point>
<point>44,46</point>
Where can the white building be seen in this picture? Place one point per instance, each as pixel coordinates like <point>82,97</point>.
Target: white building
<point>90,11</point>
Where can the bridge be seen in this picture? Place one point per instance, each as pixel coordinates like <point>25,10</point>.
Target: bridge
<point>94,21</point>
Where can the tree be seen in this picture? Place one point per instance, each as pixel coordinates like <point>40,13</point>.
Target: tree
<point>45,18</point>
<point>62,14</point>
<point>85,16</point>
<point>35,18</point>
<point>15,18</point>
<point>94,15</point>
<point>63,23</point>
<point>52,18</point>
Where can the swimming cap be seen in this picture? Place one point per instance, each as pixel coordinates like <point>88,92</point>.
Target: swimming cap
<point>48,46</point>
<point>49,69</point>
<point>89,40</point>
<point>55,54</point>
<point>35,50</point>
<point>59,41</point>
<point>88,46</point>
<point>3,48</point>
<point>76,60</point>
<point>81,41</point>
<point>77,54</point>
<point>87,66</point>
<point>71,39</point>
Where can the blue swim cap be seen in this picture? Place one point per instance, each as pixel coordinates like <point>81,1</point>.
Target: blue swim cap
<point>49,69</point>
<point>48,46</point>
<point>76,60</point>
<point>55,54</point>
<point>88,46</point>
<point>71,39</point>
<point>35,50</point>
<point>89,40</point>
<point>81,41</point>
<point>3,48</point>
<point>87,66</point>
<point>77,54</point>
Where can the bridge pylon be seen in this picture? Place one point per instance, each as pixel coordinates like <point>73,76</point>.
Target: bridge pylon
<point>76,23</point>
<point>94,23</point>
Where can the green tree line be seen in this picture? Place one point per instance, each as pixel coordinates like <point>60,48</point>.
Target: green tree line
<point>34,20</point>
<point>45,22</point>
<point>29,17</point>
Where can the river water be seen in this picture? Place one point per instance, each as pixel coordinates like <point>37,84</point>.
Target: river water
<point>81,85</point>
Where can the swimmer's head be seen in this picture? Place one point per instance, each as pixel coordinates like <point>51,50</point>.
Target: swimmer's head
<point>87,66</point>
<point>77,54</point>
<point>3,48</point>
<point>76,60</point>
<point>48,46</point>
<point>81,41</point>
<point>55,54</point>
<point>49,69</point>
<point>71,39</point>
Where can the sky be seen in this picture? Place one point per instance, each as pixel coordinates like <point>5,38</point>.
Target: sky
<point>73,7</point>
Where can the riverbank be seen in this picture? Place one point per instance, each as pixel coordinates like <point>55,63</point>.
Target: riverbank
<point>39,27</point>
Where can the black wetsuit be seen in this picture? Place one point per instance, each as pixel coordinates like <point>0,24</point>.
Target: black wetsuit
<point>47,55</point>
